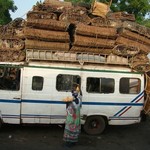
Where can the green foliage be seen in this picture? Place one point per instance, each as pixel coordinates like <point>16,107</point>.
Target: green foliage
<point>81,1</point>
<point>140,8</point>
<point>146,22</point>
<point>5,7</point>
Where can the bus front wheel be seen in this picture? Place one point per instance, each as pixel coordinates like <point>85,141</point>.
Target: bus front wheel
<point>94,125</point>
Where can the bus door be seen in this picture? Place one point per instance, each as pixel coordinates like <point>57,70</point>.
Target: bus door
<point>10,94</point>
<point>36,92</point>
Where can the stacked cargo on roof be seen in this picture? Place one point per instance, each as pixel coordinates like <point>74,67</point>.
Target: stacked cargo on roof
<point>57,28</point>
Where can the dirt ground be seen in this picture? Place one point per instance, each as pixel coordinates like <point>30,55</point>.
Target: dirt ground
<point>130,137</point>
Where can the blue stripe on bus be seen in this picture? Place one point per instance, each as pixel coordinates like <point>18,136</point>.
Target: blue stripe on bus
<point>84,103</point>
<point>134,100</point>
<point>141,94</point>
<point>61,102</point>
<point>114,104</point>
<point>9,101</point>
<point>43,101</point>
<point>11,116</point>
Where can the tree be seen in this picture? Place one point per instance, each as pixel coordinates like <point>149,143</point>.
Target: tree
<point>77,1</point>
<point>140,8</point>
<point>5,7</point>
<point>146,22</point>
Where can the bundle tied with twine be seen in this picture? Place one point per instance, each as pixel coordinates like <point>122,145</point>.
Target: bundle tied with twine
<point>41,15</point>
<point>75,15</point>
<point>48,24</point>
<point>46,45</point>
<point>46,35</point>
<point>93,42</point>
<point>12,56</point>
<point>93,31</point>
<point>139,62</point>
<point>124,50</point>
<point>132,43</point>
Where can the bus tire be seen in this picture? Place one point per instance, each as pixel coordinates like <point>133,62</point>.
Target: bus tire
<point>94,125</point>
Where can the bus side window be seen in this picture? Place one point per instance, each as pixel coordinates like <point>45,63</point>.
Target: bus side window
<point>37,83</point>
<point>100,85</point>
<point>93,85</point>
<point>129,85</point>
<point>107,85</point>
<point>64,82</point>
<point>10,78</point>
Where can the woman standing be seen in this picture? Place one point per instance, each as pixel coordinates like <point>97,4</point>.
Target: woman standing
<point>73,125</point>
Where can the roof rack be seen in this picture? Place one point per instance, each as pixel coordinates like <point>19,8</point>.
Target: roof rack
<point>82,57</point>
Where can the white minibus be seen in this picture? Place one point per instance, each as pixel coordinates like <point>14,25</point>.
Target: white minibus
<point>32,93</point>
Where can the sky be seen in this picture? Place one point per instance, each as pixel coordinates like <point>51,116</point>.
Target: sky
<point>23,7</point>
